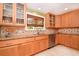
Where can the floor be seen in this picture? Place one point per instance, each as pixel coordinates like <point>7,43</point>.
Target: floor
<point>59,50</point>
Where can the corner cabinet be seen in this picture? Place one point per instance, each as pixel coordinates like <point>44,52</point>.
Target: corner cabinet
<point>49,20</point>
<point>68,40</point>
<point>12,14</point>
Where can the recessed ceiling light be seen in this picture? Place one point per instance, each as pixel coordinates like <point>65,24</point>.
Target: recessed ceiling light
<point>39,8</point>
<point>65,8</point>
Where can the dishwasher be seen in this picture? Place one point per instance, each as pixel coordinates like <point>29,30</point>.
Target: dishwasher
<point>51,40</point>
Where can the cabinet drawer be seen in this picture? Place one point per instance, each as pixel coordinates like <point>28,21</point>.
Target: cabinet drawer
<point>41,37</point>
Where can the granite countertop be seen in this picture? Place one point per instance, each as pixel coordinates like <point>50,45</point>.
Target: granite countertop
<point>21,36</point>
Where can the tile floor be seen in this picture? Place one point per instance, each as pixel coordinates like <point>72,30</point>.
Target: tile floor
<point>59,50</point>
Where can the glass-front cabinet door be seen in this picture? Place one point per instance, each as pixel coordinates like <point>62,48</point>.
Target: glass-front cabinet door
<point>12,14</point>
<point>19,13</point>
<point>7,13</point>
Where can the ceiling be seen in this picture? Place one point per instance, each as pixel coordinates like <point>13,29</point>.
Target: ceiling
<point>55,8</point>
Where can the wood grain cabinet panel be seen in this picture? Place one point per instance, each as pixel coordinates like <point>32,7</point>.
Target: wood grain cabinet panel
<point>47,20</point>
<point>27,48</point>
<point>75,42</point>
<point>70,19</point>
<point>35,47</point>
<point>68,40</point>
<point>65,20</point>
<point>24,49</point>
<point>58,39</point>
<point>58,19</point>
<point>43,44</point>
<point>9,51</point>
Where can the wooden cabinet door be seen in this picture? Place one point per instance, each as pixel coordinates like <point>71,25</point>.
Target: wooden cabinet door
<point>47,20</point>
<point>58,39</point>
<point>24,49</point>
<point>73,18</point>
<point>9,51</point>
<point>67,40</point>
<point>58,21</point>
<point>76,18</point>
<point>65,22</point>
<point>78,42</point>
<point>43,44</point>
<point>74,42</point>
<point>35,46</point>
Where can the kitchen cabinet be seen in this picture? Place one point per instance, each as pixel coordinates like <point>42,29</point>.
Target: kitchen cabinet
<point>20,13</point>
<point>24,46</point>
<point>75,42</point>
<point>40,43</point>
<point>43,44</point>
<point>12,14</point>
<point>24,49</point>
<point>9,51</point>
<point>68,40</point>
<point>58,20</point>
<point>73,17</point>
<point>6,13</point>
<point>65,20</point>
<point>35,47</point>
<point>58,39</point>
<point>49,20</point>
<point>70,19</point>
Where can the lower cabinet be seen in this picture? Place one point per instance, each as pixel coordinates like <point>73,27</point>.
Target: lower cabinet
<point>68,40</point>
<point>31,47</point>
<point>75,42</point>
<point>40,43</point>
<point>58,39</point>
<point>35,47</point>
<point>43,44</point>
<point>9,51</point>
<point>24,49</point>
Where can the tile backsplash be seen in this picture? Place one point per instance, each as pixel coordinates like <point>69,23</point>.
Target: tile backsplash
<point>7,33</point>
<point>69,31</point>
<point>4,33</point>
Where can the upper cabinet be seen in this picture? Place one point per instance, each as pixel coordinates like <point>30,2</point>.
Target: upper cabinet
<point>20,13</point>
<point>70,19</point>
<point>58,20</point>
<point>12,14</point>
<point>49,20</point>
<point>67,20</point>
<point>6,13</point>
<point>74,18</point>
